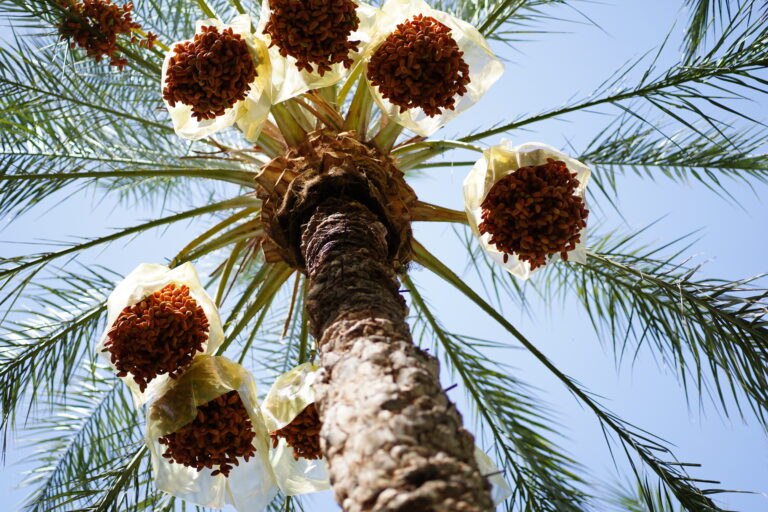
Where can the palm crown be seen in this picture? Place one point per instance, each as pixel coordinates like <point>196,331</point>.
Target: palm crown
<point>70,120</point>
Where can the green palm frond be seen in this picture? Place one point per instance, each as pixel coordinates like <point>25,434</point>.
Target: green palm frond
<point>711,80</point>
<point>21,187</point>
<point>651,452</point>
<point>261,291</point>
<point>503,20</point>
<point>628,498</point>
<point>124,485</point>
<point>62,117</point>
<point>499,287</point>
<point>271,332</point>
<point>543,478</point>
<point>96,459</point>
<point>44,79</point>
<point>97,408</point>
<point>41,350</point>
<point>286,504</point>
<point>705,16</point>
<point>61,120</point>
<point>279,339</point>
<point>714,332</point>
<point>13,269</point>
<point>714,156</point>
<point>39,17</point>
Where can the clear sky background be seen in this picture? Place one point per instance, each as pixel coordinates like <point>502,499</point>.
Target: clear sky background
<point>544,72</point>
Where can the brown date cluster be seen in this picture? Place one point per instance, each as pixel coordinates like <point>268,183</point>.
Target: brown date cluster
<point>314,31</point>
<point>210,73</point>
<point>221,432</point>
<point>94,26</point>
<point>302,434</point>
<point>534,213</point>
<point>159,335</point>
<point>420,65</point>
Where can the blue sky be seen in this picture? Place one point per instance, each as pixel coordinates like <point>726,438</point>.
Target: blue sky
<point>547,71</point>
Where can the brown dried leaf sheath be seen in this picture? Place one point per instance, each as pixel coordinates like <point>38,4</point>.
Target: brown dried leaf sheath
<point>94,26</point>
<point>210,73</point>
<point>326,165</point>
<point>159,335</point>
<point>221,432</point>
<point>420,65</point>
<point>302,434</point>
<point>314,31</point>
<point>534,213</point>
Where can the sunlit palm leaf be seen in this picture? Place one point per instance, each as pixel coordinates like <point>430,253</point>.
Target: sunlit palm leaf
<point>713,79</point>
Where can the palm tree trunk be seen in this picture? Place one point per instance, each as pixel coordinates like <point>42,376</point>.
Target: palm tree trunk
<point>393,440</point>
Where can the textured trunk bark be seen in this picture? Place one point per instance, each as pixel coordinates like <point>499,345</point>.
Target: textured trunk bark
<point>393,440</point>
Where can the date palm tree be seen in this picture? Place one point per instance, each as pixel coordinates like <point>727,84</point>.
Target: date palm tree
<point>306,225</point>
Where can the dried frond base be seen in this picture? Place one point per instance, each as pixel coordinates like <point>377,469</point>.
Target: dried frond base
<point>333,165</point>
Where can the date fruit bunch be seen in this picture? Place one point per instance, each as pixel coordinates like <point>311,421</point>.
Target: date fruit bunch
<point>535,213</point>
<point>314,32</point>
<point>420,65</point>
<point>159,335</point>
<point>302,434</point>
<point>210,73</point>
<point>95,25</point>
<point>218,437</point>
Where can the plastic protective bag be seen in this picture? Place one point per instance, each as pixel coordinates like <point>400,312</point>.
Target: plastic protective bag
<point>291,393</point>
<point>484,67</point>
<point>500,490</point>
<point>250,113</point>
<point>497,162</point>
<point>143,281</point>
<point>250,486</point>
<point>288,82</point>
